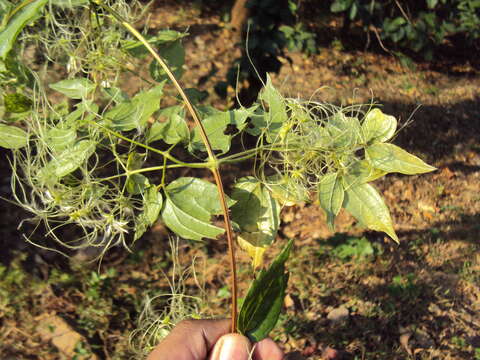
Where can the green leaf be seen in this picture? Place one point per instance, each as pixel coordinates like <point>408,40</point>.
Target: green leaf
<point>17,103</point>
<point>271,120</point>
<point>137,49</point>
<point>330,195</point>
<point>86,111</point>
<point>152,204</point>
<point>174,56</point>
<point>172,131</point>
<point>341,132</point>
<point>68,161</point>
<point>340,5</point>
<point>216,126</point>
<point>257,214</point>
<point>69,3</point>
<point>432,3</point>
<point>262,304</point>
<point>134,114</point>
<point>136,184</point>
<point>59,139</point>
<point>391,158</point>
<point>287,191</point>
<point>362,171</point>
<point>15,25</point>
<point>378,127</point>
<point>12,137</point>
<point>74,88</point>
<point>189,205</point>
<point>364,203</point>
<point>116,95</point>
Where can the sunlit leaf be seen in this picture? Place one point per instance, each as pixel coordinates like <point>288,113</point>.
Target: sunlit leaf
<point>85,111</point>
<point>364,203</point>
<point>137,49</point>
<point>362,172</point>
<point>116,95</point>
<point>391,158</point>
<point>330,195</point>
<point>270,121</point>
<point>74,88</point>
<point>341,131</point>
<point>171,131</point>
<point>262,304</point>
<point>217,126</point>
<point>286,191</point>
<point>12,137</point>
<point>152,204</point>
<point>68,161</point>
<point>378,127</point>
<point>187,213</point>
<point>134,114</point>
<point>59,139</point>
<point>257,214</point>
<point>15,25</point>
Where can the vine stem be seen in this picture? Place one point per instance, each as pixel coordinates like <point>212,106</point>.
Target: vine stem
<point>214,165</point>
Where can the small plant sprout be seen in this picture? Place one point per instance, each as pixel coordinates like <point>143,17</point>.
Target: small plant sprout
<point>92,153</point>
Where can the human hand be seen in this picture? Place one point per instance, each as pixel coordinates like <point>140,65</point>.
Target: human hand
<point>210,339</point>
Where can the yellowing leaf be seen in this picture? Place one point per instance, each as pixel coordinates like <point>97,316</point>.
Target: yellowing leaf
<point>378,127</point>
<point>368,207</point>
<point>391,158</point>
<point>255,245</point>
<point>258,215</point>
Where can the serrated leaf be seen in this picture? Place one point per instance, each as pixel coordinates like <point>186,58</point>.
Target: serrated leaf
<point>189,205</point>
<point>331,195</point>
<point>378,127</point>
<point>17,103</point>
<point>365,204</point>
<point>15,25</point>
<point>262,304</point>
<point>271,120</point>
<point>67,161</point>
<point>257,214</point>
<point>174,55</point>
<point>74,88</point>
<point>152,204</point>
<point>391,158</point>
<point>215,127</point>
<point>134,114</point>
<point>173,130</point>
<point>12,137</point>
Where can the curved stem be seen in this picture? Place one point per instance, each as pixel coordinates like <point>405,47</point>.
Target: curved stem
<point>213,163</point>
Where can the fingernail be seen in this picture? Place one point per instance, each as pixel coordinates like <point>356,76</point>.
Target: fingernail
<point>231,347</point>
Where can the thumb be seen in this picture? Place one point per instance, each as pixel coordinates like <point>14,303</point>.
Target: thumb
<point>231,347</point>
